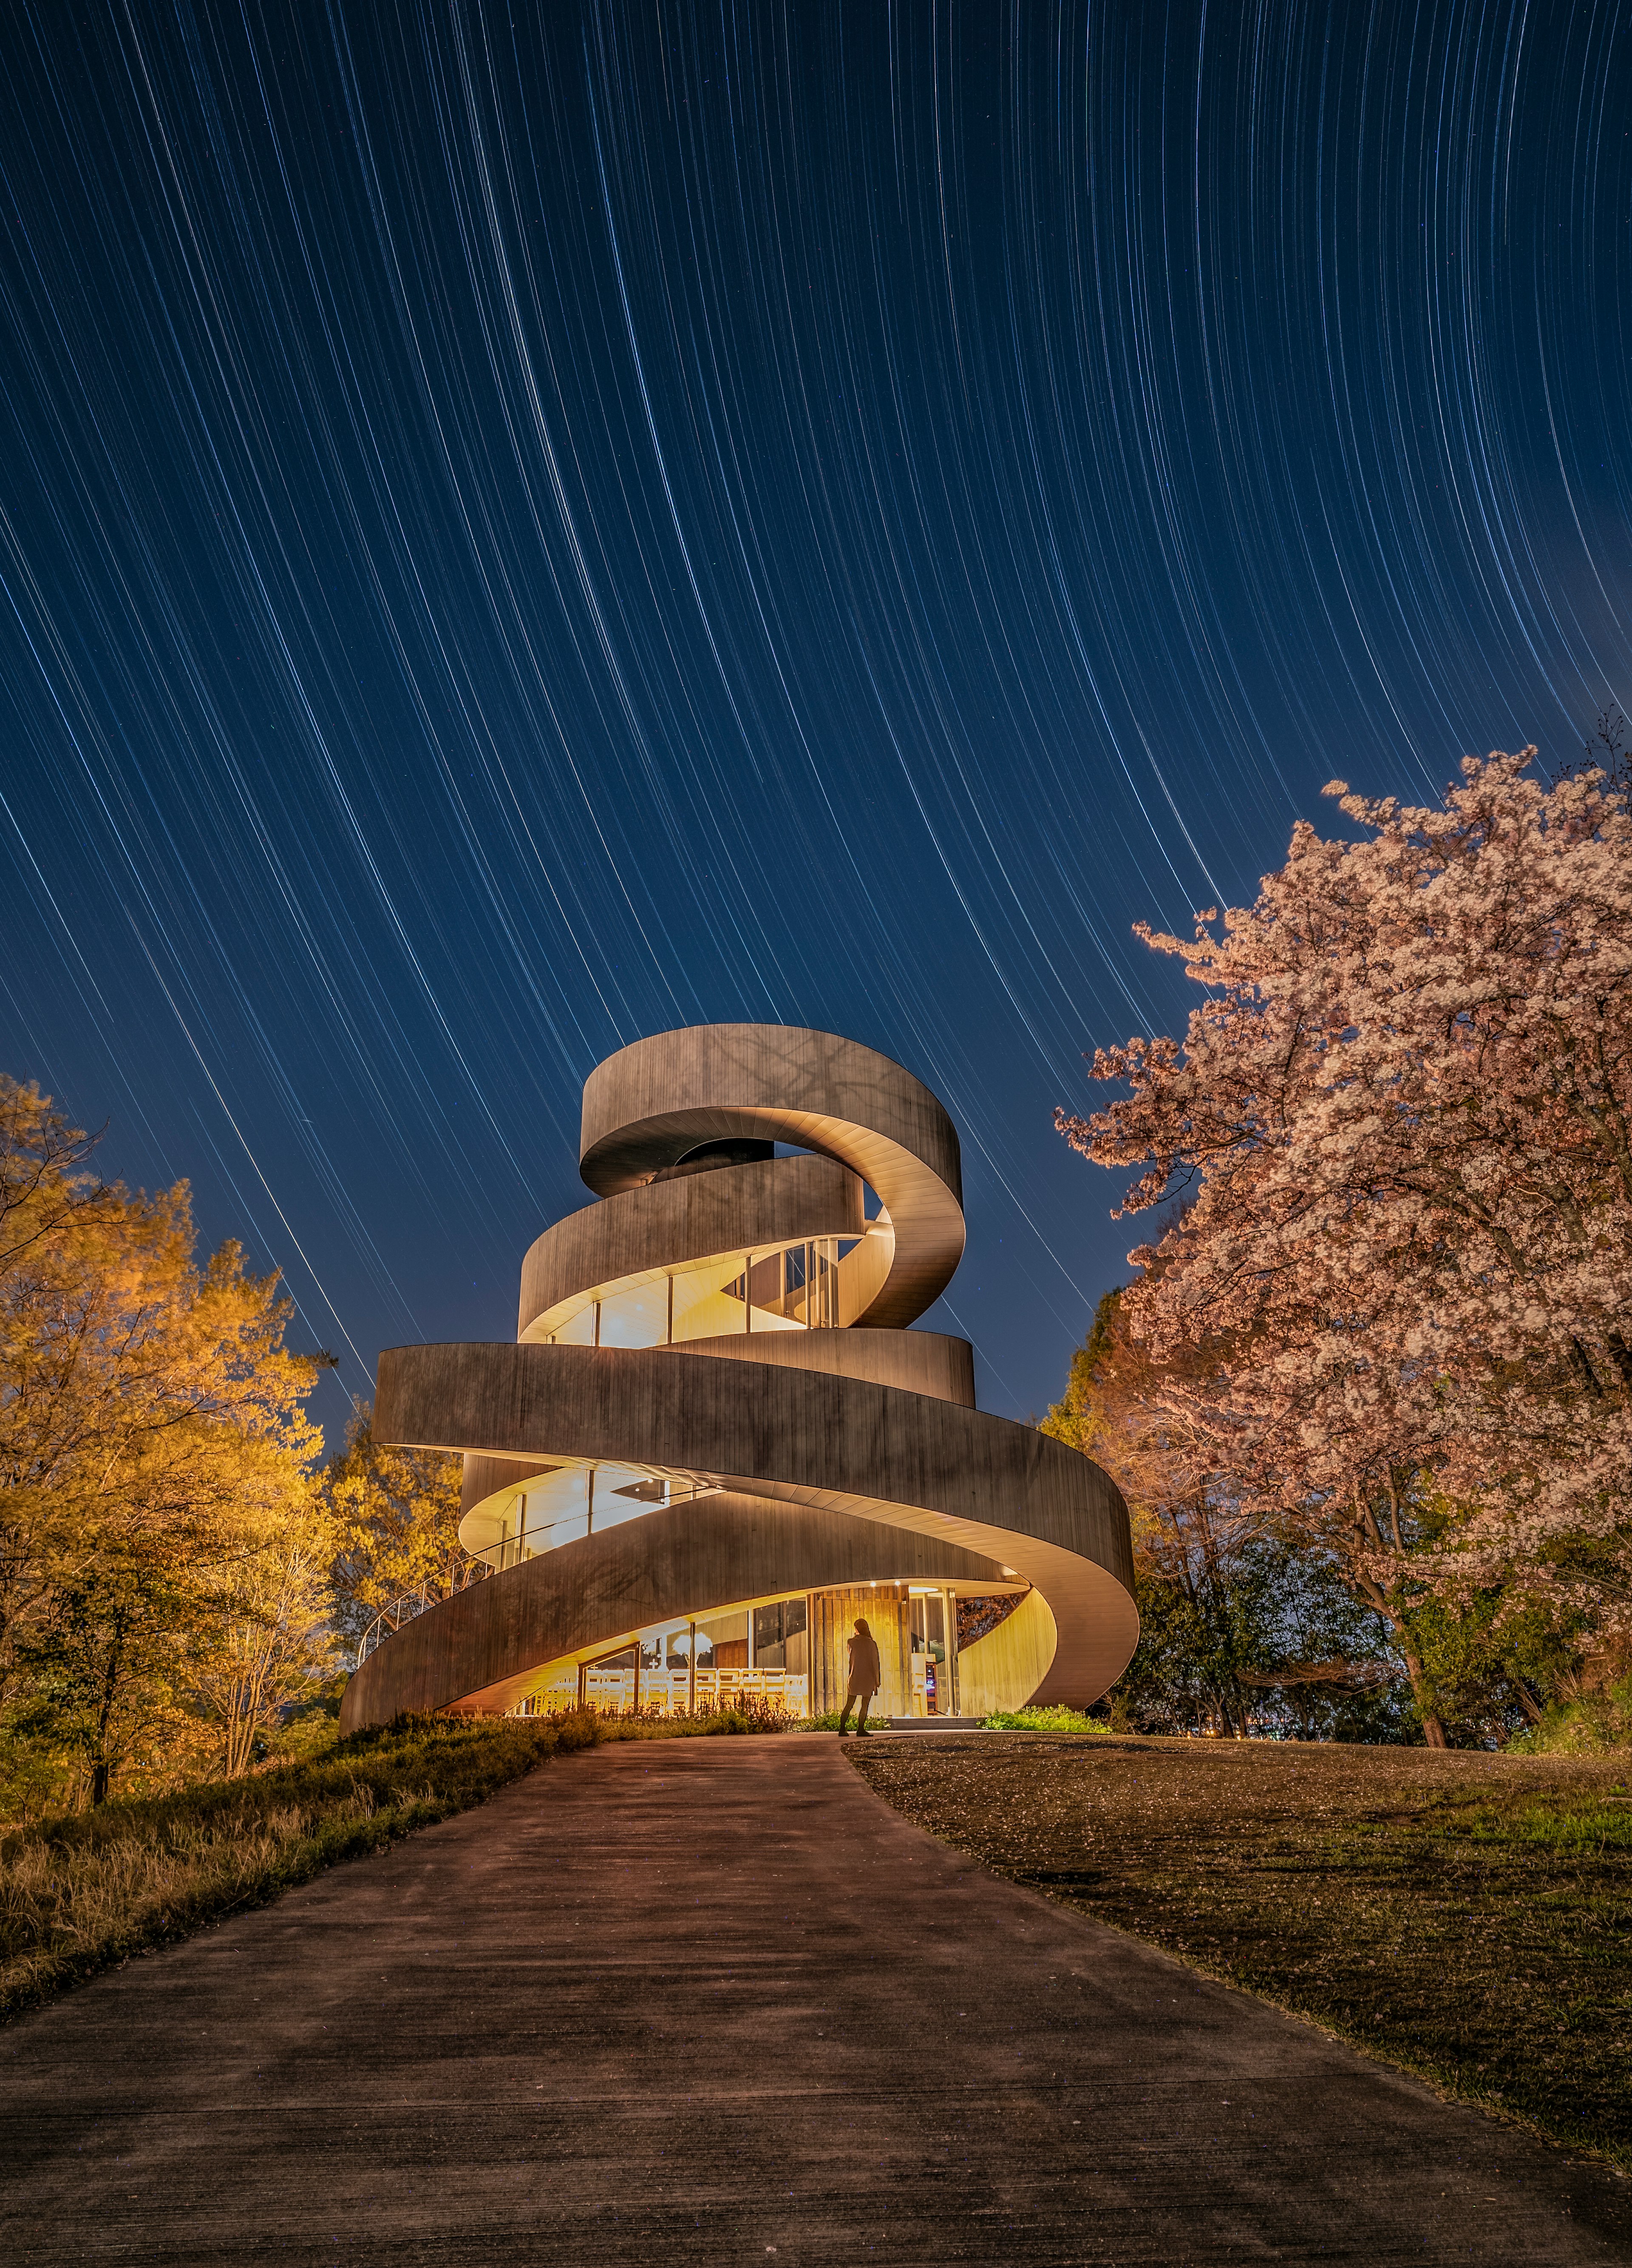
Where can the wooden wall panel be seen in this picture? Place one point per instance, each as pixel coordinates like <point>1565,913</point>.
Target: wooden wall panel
<point>832,1624</point>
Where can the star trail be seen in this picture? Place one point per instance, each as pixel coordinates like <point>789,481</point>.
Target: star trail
<point>524,527</point>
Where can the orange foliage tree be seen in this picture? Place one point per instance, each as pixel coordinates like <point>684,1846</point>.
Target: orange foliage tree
<point>154,1457</point>
<point>394,1525</point>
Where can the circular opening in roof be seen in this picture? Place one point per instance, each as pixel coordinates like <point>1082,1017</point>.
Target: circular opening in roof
<point>736,1149</point>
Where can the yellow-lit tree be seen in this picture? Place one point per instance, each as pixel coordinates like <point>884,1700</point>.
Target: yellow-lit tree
<point>395,1515</point>
<point>154,1455</point>
<point>270,1646</point>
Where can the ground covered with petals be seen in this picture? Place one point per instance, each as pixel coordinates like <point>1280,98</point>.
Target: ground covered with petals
<point>1466,1916</point>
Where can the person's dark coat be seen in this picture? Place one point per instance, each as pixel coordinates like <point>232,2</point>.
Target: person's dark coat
<point>866,1670</point>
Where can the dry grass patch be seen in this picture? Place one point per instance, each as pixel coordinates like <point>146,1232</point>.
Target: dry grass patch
<point>1469,1918</point>
<point>78,1892</point>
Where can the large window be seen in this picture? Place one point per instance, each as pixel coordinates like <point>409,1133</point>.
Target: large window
<point>780,1636</point>
<point>758,1654</point>
<point>793,1287</point>
<point>559,1507</point>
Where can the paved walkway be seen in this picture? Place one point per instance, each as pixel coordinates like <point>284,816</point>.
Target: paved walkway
<point>711,2000</point>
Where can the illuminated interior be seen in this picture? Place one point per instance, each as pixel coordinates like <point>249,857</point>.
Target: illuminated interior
<point>812,1285</point>
<point>572,1500</point>
<point>760,1650</point>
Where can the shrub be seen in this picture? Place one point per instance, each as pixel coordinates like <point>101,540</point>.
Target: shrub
<point>1588,1726</point>
<point>1052,1718</point>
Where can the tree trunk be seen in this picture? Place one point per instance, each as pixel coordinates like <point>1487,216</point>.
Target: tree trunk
<point>101,1769</point>
<point>1433,1731</point>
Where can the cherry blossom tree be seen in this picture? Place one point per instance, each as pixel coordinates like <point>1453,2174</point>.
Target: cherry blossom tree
<point>1242,1627</point>
<point>1402,1116</point>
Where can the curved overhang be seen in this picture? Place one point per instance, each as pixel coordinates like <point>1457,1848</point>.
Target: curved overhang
<point>489,1646</point>
<point>652,1231</point>
<point>916,1362</point>
<point>1040,1510</point>
<point>486,1479</point>
<point>652,1104</point>
<point>694,1422</point>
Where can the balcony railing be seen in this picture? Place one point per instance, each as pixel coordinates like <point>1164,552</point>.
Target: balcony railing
<point>430,1594</point>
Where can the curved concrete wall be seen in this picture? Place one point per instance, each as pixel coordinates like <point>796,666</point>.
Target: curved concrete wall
<point>1004,1490</point>
<point>644,1108</point>
<point>485,1477</point>
<point>856,1451</point>
<point>918,1362</point>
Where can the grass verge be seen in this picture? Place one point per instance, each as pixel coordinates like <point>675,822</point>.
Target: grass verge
<point>1467,1917</point>
<point>77,1894</point>
<point>1053,1716</point>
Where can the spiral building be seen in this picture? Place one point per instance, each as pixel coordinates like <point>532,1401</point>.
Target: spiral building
<point>715,1441</point>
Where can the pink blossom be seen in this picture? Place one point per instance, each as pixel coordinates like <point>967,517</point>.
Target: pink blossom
<point>1403,1113</point>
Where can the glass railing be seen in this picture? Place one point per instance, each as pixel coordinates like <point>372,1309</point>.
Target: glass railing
<point>678,1692</point>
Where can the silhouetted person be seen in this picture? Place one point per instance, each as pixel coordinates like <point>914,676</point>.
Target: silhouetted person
<point>866,1676</point>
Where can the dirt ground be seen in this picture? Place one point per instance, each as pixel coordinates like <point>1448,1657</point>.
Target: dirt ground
<point>1466,1916</point>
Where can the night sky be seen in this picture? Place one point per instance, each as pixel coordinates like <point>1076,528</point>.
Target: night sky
<point>524,527</point>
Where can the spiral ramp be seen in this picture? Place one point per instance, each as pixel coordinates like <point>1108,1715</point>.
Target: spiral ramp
<point>714,1419</point>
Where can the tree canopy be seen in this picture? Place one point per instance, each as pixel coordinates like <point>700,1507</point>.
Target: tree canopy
<point>161,1537</point>
<point>1394,1302</point>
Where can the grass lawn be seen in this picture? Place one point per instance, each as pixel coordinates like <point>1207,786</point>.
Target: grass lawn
<point>95,1887</point>
<point>1467,1917</point>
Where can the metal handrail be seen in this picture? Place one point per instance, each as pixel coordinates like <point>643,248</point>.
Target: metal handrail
<point>430,1594</point>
